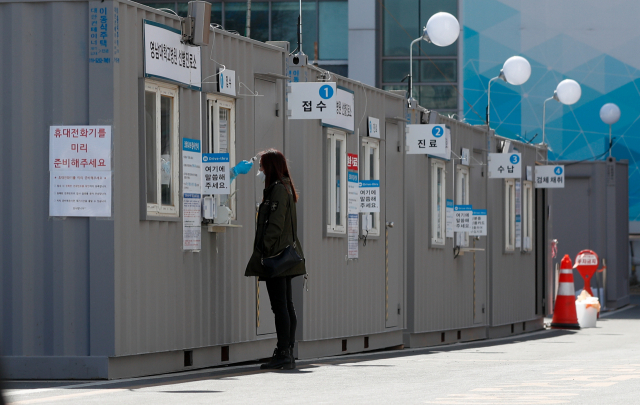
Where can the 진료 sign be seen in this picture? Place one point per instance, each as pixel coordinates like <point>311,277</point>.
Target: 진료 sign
<point>165,57</point>
<point>549,176</point>
<point>433,140</point>
<point>505,165</point>
<point>309,101</point>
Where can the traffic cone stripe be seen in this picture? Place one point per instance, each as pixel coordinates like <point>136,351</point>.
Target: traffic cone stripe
<point>566,289</point>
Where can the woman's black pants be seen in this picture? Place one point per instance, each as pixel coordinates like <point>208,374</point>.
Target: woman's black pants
<point>279,289</point>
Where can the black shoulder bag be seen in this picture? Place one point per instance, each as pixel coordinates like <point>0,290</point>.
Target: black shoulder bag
<point>285,259</point>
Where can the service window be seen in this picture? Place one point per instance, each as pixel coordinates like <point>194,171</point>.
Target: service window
<point>527,216</point>
<point>462,196</point>
<point>221,138</point>
<point>162,146</point>
<point>438,213</point>
<point>336,170</point>
<point>371,171</point>
<point>510,214</point>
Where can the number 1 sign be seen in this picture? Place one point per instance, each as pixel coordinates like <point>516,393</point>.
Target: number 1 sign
<point>307,101</point>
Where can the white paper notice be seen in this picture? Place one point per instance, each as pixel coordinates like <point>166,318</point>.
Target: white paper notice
<point>352,222</point>
<point>215,167</point>
<point>80,194</point>
<point>369,196</point>
<point>518,214</point>
<point>478,223</point>
<point>191,189</point>
<point>79,147</point>
<point>462,218</point>
<point>449,217</point>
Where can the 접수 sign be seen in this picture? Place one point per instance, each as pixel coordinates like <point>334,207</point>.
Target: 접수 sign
<point>312,100</point>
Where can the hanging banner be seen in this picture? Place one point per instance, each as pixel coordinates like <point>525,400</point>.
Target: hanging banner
<point>449,219</point>
<point>462,218</point>
<point>167,58</point>
<point>373,129</point>
<point>345,109</point>
<point>549,176</point>
<point>215,167</point>
<point>369,196</point>
<point>478,223</point>
<point>518,213</point>
<point>191,197</point>
<point>505,166</point>
<point>80,193</point>
<point>352,212</point>
<point>311,100</point>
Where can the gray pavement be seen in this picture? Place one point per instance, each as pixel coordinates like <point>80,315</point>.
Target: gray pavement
<point>591,366</point>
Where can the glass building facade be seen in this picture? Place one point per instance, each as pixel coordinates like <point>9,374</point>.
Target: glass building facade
<point>325,25</point>
<point>435,69</point>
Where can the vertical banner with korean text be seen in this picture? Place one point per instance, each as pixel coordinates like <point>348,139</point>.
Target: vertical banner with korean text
<point>449,219</point>
<point>352,213</point>
<point>518,213</point>
<point>191,194</point>
<point>80,171</point>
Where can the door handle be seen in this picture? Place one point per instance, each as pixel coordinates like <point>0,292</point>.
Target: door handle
<point>389,224</point>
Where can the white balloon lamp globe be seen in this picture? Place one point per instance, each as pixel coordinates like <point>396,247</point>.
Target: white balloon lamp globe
<point>443,29</point>
<point>610,113</point>
<point>568,92</point>
<point>516,70</point>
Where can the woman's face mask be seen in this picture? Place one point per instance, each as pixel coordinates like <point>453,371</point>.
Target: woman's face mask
<point>261,175</point>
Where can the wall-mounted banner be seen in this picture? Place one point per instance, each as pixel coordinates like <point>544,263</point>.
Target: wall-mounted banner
<point>227,81</point>
<point>167,58</point>
<point>215,169</point>
<point>433,140</point>
<point>478,223</point>
<point>345,110</point>
<point>518,214</point>
<point>373,130</point>
<point>352,162</point>
<point>80,193</point>
<point>449,219</point>
<point>191,189</point>
<point>505,165</point>
<point>462,218</point>
<point>549,176</point>
<point>464,157</point>
<point>352,213</point>
<point>80,147</point>
<point>309,101</point>
<point>369,196</point>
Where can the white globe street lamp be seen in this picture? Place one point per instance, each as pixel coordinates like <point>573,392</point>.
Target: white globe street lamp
<point>567,92</point>
<point>442,29</point>
<point>610,114</point>
<point>516,70</point>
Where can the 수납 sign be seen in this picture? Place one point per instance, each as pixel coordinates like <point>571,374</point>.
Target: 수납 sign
<point>215,168</point>
<point>167,58</point>
<point>505,165</point>
<point>311,101</point>
<point>549,176</point>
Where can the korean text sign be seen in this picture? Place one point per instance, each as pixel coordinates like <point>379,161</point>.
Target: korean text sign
<point>80,193</point>
<point>549,176</point>
<point>370,196</point>
<point>427,140</point>
<point>168,58</point>
<point>78,147</point>
<point>478,223</point>
<point>227,81</point>
<point>352,161</point>
<point>215,169</point>
<point>462,218</point>
<point>345,110</point>
<point>312,100</point>
<point>352,220</point>
<point>374,127</point>
<point>449,219</point>
<point>352,203</point>
<point>191,167</point>
<point>505,165</point>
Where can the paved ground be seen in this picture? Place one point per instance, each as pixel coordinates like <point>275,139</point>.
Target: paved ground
<point>592,366</point>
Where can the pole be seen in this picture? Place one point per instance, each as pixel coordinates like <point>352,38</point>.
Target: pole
<point>248,29</point>
<point>411,67</point>
<point>610,140</point>
<point>489,100</point>
<point>544,114</point>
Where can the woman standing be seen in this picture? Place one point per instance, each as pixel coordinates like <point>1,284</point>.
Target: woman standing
<point>275,231</point>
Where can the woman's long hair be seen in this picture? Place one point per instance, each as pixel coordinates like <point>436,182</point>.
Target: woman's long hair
<point>274,165</point>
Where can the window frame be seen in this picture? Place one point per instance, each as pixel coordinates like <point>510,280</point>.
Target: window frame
<point>213,103</point>
<point>527,215</point>
<point>435,165</point>
<point>158,209</point>
<point>462,198</point>
<point>367,145</point>
<point>334,136</point>
<point>509,215</point>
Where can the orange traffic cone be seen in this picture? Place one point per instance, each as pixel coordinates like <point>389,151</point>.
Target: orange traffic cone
<point>564,313</point>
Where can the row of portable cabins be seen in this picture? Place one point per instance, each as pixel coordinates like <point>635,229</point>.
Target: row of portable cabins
<point>117,297</point>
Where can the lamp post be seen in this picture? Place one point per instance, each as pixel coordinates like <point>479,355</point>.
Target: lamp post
<point>610,114</point>
<point>567,92</point>
<point>442,29</point>
<point>516,70</point>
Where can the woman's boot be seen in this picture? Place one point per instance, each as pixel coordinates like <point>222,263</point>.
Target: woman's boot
<point>293,359</point>
<point>280,360</point>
